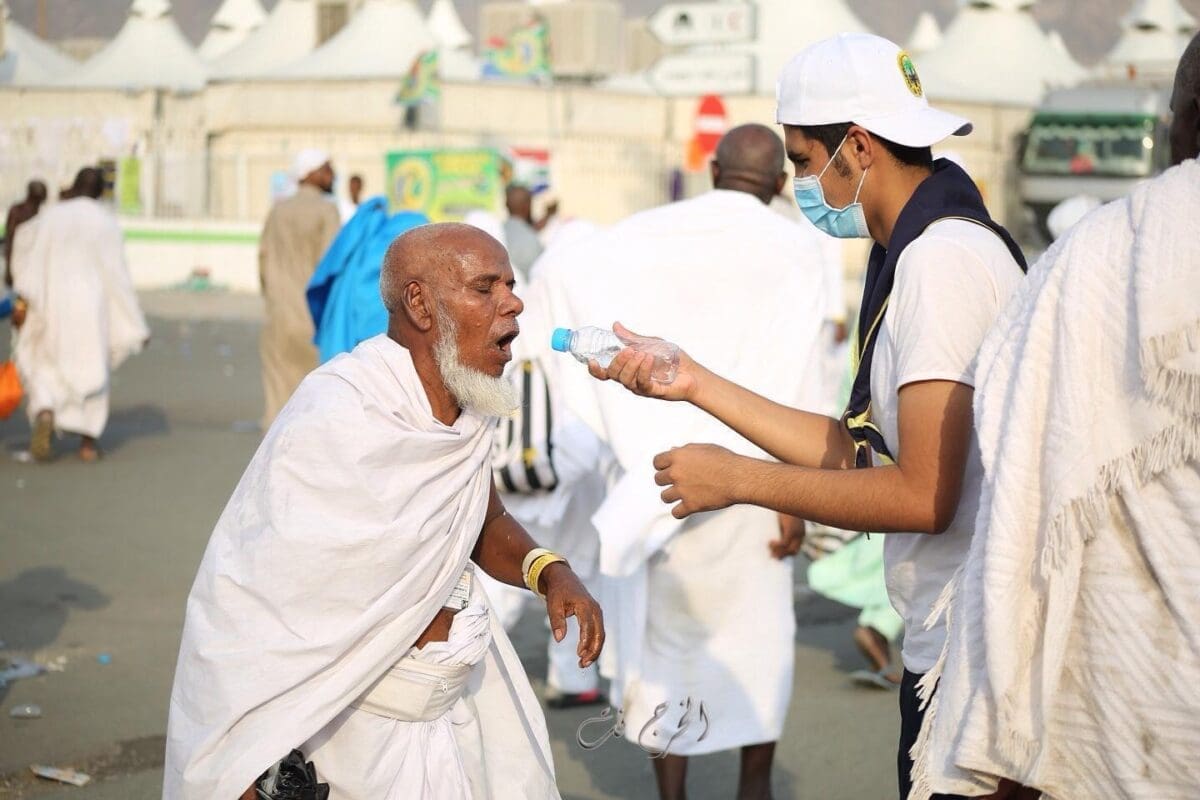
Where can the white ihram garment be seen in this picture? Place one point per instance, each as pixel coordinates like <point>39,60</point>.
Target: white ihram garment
<point>346,534</point>
<point>83,319</point>
<point>1073,652</point>
<point>700,610</point>
<point>375,750</point>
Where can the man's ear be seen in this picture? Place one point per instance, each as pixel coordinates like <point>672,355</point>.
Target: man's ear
<point>862,147</point>
<point>417,306</point>
<point>781,182</point>
<point>714,169</point>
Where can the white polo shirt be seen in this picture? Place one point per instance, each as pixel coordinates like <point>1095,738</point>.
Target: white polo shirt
<point>951,284</point>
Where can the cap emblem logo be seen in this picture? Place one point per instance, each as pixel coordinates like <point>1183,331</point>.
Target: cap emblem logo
<point>909,70</point>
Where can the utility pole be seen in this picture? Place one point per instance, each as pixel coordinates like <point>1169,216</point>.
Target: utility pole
<point>41,18</point>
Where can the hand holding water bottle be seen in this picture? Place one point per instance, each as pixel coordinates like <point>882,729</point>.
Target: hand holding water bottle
<point>634,368</point>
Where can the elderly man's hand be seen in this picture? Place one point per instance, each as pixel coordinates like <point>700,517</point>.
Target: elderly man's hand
<point>565,597</point>
<point>632,369</point>
<point>698,478</point>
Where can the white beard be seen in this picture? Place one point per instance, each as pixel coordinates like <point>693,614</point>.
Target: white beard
<point>474,390</point>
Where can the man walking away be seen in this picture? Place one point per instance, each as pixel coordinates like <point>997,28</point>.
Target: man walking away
<point>296,235</point>
<point>81,316</point>
<point>702,612</point>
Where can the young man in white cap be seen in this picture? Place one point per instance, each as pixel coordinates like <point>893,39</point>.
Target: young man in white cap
<point>298,232</point>
<point>858,130</point>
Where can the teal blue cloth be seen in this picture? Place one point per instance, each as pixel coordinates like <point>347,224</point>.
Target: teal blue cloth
<point>853,576</point>
<point>343,294</point>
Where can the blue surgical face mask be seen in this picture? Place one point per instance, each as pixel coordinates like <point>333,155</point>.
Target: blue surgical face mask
<point>844,223</point>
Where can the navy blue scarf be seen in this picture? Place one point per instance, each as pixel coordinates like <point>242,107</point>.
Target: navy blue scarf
<point>948,193</point>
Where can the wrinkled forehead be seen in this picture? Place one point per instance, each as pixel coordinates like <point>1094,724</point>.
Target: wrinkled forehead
<point>478,257</point>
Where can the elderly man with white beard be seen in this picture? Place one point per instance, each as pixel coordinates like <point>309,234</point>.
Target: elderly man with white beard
<point>335,619</point>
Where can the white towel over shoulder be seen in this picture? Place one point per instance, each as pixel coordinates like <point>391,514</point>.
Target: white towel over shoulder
<point>1073,658</point>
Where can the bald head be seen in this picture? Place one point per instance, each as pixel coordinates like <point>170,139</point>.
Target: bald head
<point>1185,105</point>
<point>750,159</point>
<point>519,202</point>
<point>435,255</point>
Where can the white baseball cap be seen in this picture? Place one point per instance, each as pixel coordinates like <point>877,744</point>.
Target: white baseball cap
<point>867,80</point>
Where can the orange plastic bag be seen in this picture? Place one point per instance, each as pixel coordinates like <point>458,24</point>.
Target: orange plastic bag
<point>10,389</point>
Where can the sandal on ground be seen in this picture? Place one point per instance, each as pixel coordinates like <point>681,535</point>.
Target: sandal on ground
<point>41,445</point>
<point>875,680</point>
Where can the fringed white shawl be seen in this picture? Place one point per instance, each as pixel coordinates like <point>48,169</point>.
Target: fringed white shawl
<point>1073,659</point>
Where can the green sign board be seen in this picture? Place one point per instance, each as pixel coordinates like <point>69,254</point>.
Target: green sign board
<point>128,189</point>
<point>444,184</point>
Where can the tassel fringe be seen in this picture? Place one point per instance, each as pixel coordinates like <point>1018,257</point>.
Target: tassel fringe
<point>1077,521</point>
<point>1173,388</point>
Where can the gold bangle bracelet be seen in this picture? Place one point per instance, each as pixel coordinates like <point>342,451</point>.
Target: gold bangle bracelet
<point>530,557</point>
<point>535,571</point>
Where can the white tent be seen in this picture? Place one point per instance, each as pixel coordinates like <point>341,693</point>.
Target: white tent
<point>232,23</point>
<point>926,35</point>
<point>456,61</point>
<point>288,34</point>
<point>381,41</point>
<point>148,52</point>
<point>446,26</point>
<point>1070,70</point>
<point>785,27</point>
<point>994,52</point>
<point>1155,35</point>
<point>28,61</point>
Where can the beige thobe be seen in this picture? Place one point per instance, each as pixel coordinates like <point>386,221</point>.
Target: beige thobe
<point>298,231</point>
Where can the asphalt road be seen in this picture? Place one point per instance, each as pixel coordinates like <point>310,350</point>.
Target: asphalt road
<point>96,562</point>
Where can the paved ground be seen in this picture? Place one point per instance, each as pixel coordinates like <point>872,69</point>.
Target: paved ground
<point>97,560</point>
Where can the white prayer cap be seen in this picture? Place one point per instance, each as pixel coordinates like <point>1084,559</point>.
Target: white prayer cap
<point>308,161</point>
<point>1064,215</point>
<point>867,80</point>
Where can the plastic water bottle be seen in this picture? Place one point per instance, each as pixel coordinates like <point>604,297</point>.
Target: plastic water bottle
<point>602,346</point>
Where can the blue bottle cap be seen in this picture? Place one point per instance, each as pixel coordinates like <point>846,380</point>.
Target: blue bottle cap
<point>560,340</point>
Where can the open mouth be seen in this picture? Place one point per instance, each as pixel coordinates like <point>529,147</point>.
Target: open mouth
<point>506,340</point>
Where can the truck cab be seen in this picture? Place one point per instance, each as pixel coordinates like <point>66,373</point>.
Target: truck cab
<point>1097,140</point>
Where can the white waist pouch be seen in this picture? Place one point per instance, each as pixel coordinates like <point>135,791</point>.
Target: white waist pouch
<point>415,691</point>
<point>421,689</point>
